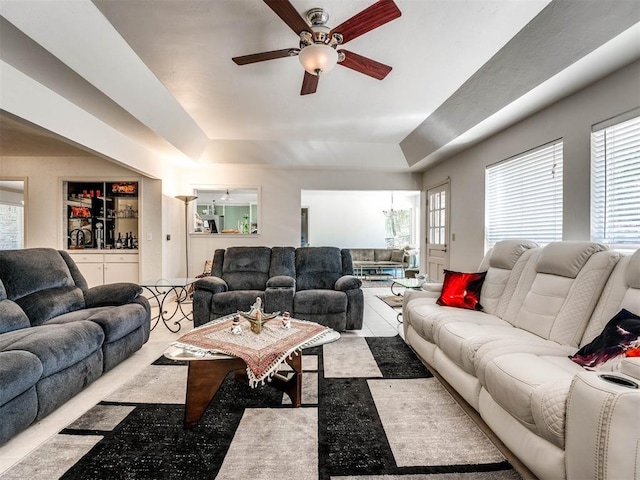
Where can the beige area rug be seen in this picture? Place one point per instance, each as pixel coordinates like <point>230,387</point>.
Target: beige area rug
<point>424,425</point>
<point>370,411</point>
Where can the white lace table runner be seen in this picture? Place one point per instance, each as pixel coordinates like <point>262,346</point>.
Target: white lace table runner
<point>262,352</point>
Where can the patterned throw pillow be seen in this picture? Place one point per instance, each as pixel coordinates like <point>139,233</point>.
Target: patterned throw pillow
<point>461,290</point>
<point>606,351</point>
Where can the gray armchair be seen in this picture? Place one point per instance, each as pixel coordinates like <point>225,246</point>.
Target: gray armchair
<point>239,275</point>
<point>327,292</point>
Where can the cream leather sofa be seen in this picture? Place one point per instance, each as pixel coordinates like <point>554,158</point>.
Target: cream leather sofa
<point>510,361</point>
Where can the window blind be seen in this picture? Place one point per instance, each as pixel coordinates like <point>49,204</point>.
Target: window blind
<point>615,185</point>
<point>523,197</point>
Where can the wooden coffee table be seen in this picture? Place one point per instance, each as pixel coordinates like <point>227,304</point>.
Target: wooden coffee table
<point>207,372</point>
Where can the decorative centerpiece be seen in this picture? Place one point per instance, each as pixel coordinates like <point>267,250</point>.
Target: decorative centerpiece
<point>257,317</point>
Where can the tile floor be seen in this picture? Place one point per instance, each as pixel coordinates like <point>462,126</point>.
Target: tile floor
<point>379,320</point>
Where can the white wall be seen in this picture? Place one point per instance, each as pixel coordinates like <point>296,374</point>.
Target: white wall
<point>352,219</point>
<point>570,119</point>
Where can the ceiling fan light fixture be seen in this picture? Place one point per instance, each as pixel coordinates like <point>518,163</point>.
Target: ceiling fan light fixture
<point>318,58</point>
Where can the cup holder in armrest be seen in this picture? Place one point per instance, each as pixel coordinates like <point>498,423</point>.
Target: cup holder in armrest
<point>623,382</point>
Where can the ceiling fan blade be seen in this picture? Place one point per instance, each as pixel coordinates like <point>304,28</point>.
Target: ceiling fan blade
<point>309,84</point>
<point>261,57</point>
<point>364,65</point>
<point>372,17</point>
<point>289,15</point>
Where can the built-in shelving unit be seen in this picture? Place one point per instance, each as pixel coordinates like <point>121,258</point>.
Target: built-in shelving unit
<point>101,229</point>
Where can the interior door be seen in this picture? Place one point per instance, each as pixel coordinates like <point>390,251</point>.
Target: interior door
<point>438,201</point>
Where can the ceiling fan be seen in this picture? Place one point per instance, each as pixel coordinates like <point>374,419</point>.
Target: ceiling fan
<point>318,51</point>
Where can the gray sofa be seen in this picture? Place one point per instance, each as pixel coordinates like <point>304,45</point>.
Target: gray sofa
<point>377,259</point>
<point>57,335</point>
<point>313,283</point>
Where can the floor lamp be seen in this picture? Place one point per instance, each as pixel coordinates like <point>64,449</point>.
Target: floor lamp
<point>186,199</point>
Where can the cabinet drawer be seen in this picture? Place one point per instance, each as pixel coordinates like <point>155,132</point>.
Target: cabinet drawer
<point>87,257</point>
<point>121,258</point>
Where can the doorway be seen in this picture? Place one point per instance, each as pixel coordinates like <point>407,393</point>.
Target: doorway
<point>304,223</point>
<point>438,201</point>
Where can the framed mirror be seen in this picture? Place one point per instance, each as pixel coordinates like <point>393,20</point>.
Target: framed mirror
<point>227,210</point>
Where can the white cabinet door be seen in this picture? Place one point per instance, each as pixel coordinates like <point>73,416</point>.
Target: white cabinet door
<point>121,267</point>
<point>93,273</point>
<point>120,272</point>
<point>99,269</point>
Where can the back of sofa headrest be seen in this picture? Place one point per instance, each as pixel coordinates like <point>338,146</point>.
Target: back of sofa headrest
<point>506,253</point>
<point>632,273</point>
<point>31,270</point>
<point>567,258</point>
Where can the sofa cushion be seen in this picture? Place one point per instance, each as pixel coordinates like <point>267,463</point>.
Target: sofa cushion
<point>27,271</point>
<point>48,303</point>
<point>56,346</point>
<point>112,294</point>
<point>534,390</point>
<point>558,307</point>
<point>317,268</point>
<point>506,253</point>
<point>116,322</point>
<point>565,258</point>
<point>319,302</point>
<point>362,254</point>
<point>246,268</point>
<point>461,340</point>
<point>382,255</point>
<point>606,351</point>
<point>283,262</point>
<point>225,303</point>
<point>12,317</point>
<point>427,317</point>
<point>461,290</point>
<point>19,371</point>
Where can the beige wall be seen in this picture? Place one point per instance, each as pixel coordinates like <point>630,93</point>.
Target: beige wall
<point>44,217</point>
<point>163,215</point>
<point>280,201</point>
<point>570,119</point>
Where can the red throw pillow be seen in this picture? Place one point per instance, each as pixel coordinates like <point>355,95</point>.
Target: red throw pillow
<point>621,334</point>
<point>462,290</point>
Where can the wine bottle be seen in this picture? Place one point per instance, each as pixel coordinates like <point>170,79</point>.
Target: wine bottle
<point>119,241</point>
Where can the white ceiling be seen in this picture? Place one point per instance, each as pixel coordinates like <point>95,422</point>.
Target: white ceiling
<point>160,73</point>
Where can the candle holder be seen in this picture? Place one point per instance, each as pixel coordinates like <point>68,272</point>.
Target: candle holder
<point>256,316</point>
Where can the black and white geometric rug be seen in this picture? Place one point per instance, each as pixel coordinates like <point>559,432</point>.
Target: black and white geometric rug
<point>370,410</point>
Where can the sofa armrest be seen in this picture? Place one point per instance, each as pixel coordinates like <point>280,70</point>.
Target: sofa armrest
<point>631,366</point>
<point>281,281</point>
<point>278,297</point>
<point>111,294</point>
<point>211,284</point>
<point>432,287</point>
<point>601,425</point>
<point>347,282</point>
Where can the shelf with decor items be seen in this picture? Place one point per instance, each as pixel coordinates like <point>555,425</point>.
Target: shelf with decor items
<point>101,229</point>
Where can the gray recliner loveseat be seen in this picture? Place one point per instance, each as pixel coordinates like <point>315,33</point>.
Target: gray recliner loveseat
<point>313,283</point>
<point>57,335</point>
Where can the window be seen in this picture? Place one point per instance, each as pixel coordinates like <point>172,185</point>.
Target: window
<point>524,197</point>
<point>12,214</point>
<point>615,182</point>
